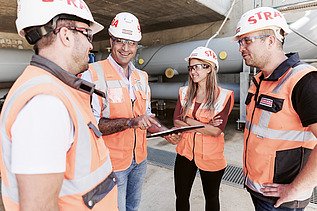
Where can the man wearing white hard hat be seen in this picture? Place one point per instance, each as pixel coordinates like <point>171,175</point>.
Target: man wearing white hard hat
<point>202,102</point>
<point>125,115</point>
<point>52,154</point>
<point>280,154</point>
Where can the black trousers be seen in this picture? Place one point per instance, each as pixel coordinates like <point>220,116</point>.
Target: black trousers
<point>184,175</point>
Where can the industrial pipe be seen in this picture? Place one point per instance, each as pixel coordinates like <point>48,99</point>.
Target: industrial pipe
<point>12,63</point>
<point>158,59</point>
<point>155,60</point>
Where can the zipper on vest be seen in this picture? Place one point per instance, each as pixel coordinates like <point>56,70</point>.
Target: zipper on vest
<point>194,145</point>
<point>257,85</point>
<point>134,130</point>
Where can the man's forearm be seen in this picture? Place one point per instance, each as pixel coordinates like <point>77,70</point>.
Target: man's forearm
<point>111,126</point>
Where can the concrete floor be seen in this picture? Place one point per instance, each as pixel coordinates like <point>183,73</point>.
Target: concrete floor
<point>158,190</point>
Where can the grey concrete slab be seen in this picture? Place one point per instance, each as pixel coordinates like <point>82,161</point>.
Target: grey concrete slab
<point>158,190</point>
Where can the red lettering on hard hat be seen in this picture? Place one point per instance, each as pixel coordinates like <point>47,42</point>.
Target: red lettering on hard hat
<point>114,23</point>
<point>263,15</point>
<point>82,5</point>
<point>252,20</point>
<point>277,14</point>
<point>267,15</point>
<point>72,1</point>
<point>259,15</point>
<point>210,54</point>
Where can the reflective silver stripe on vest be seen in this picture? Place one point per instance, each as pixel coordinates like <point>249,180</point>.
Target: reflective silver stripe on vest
<point>253,185</point>
<point>147,91</point>
<point>101,84</point>
<point>266,115</point>
<point>219,104</point>
<point>116,84</point>
<point>12,191</point>
<point>288,135</point>
<point>83,156</point>
<point>83,184</point>
<point>141,85</point>
<point>183,93</point>
<point>262,130</point>
<point>294,71</point>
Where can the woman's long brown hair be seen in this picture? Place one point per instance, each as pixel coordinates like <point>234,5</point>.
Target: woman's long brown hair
<point>211,91</point>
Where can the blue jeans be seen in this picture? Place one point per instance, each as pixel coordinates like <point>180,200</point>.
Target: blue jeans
<point>261,205</point>
<point>130,186</point>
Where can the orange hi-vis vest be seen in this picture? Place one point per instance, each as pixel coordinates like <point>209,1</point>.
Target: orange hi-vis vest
<point>276,144</point>
<point>207,151</point>
<point>131,142</point>
<point>89,183</point>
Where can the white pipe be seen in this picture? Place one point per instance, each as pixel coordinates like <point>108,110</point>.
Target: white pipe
<point>158,59</point>
<point>12,63</point>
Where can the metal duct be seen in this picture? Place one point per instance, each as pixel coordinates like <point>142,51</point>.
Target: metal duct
<point>157,59</point>
<point>305,25</point>
<point>169,91</point>
<point>13,62</point>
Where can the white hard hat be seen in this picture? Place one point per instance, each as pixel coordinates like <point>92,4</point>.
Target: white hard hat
<point>204,53</point>
<point>38,13</point>
<point>126,26</point>
<point>262,18</point>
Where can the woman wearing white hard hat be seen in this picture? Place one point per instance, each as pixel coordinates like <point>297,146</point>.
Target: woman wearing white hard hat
<point>202,102</point>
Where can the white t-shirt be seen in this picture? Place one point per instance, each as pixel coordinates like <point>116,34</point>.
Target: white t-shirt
<point>41,136</point>
<point>95,102</point>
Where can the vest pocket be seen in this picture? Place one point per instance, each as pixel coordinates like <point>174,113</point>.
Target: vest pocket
<point>115,95</point>
<point>100,191</point>
<point>212,148</point>
<point>288,164</point>
<point>270,103</point>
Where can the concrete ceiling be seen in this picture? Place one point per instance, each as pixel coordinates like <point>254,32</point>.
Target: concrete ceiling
<point>154,15</point>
